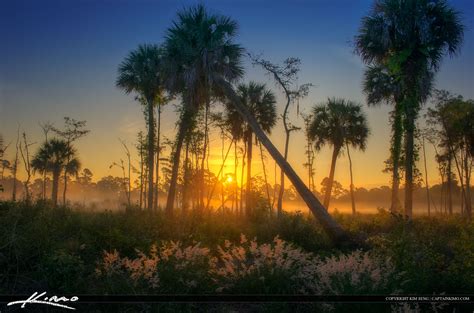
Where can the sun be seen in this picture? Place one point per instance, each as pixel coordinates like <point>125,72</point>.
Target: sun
<point>229,179</point>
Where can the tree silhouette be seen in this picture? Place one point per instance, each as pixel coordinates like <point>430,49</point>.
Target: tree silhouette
<point>141,73</point>
<point>409,39</point>
<point>286,78</point>
<point>198,47</point>
<point>72,131</point>
<point>338,123</point>
<point>55,156</point>
<point>260,102</point>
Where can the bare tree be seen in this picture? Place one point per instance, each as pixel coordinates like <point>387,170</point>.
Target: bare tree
<point>310,154</point>
<point>73,130</point>
<point>286,77</point>
<point>46,127</point>
<point>14,167</point>
<point>5,164</point>
<point>25,156</point>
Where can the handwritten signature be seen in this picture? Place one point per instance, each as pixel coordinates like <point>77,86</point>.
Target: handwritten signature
<point>39,298</point>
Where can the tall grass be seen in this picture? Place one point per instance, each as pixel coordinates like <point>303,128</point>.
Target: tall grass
<point>72,252</point>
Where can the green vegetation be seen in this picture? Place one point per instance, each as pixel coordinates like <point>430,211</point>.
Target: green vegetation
<point>66,251</point>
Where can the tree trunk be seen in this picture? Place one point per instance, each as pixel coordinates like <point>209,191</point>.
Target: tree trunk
<point>235,205</point>
<point>141,175</point>
<point>426,178</point>
<point>282,175</point>
<point>65,186</point>
<point>158,150</point>
<point>450,184</point>
<point>334,230</point>
<point>352,181</point>
<point>54,192</point>
<point>242,181</point>
<point>15,167</point>
<point>185,201</point>
<point>204,153</point>
<point>327,196</point>
<point>151,153</point>
<point>183,127</point>
<point>467,175</point>
<point>43,193</point>
<point>396,149</point>
<point>248,188</point>
<point>409,158</point>
<point>266,179</point>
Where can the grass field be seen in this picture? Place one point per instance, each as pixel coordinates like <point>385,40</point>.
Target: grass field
<point>66,251</point>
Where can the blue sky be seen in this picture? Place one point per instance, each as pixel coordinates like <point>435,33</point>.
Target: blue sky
<point>59,58</point>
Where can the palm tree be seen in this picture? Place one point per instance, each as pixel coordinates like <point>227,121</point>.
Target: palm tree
<point>409,38</point>
<point>201,52</point>
<point>260,102</point>
<point>380,87</point>
<point>198,47</point>
<point>338,123</point>
<point>140,73</point>
<point>52,157</point>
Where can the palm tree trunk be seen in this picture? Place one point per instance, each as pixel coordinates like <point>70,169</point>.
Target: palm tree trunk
<point>467,184</point>
<point>183,127</point>
<point>158,150</point>
<point>235,206</point>
<point>185,205</point>
<point>242,181</point>
<point>282,175</point>
<point>204,152</point>
<point>426,178</point>
<point>54,192</point>
<point>222,173</point>
<point>65,186</point>
<point>334,230</point>
<point>151,153</point>
<point>141,176</point>
<point>43,193</point>
<point>450,184</point>
<point>327,196</point>
<point>248,189</point>
<point>352,181</point>
<point>396,150</point>
<point>409,158</point>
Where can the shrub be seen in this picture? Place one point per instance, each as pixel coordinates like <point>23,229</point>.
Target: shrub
<point>249,267</point>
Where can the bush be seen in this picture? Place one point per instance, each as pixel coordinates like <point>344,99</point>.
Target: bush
<point>249,267</point>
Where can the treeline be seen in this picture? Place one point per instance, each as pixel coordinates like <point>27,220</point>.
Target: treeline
<point>199,66</point>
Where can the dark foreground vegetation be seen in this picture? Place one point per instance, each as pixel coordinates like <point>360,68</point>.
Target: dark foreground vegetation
<point>68,252</point>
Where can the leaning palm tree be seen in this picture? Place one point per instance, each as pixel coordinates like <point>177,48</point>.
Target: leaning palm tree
<point>409,38</point>
<point>338,123</point>
<point>260,102</point>
<point>201,53</point>
<point>140,73</point>
<point>52,157</point>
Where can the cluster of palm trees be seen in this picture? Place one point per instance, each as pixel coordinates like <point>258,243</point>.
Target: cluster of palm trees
<point>341,124</point>
<point>56,157</point>
<point>199,62</point>
<point>401,41</point>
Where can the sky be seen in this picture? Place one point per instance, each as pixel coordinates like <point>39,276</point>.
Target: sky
<point>59,58</point>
